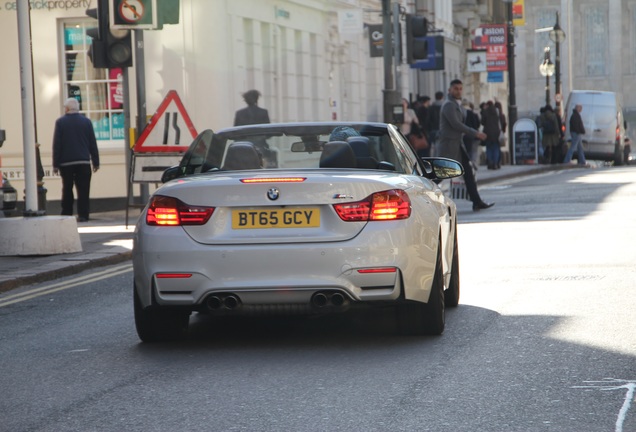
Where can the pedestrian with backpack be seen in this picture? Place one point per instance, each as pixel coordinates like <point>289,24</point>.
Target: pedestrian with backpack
<point>551,135</point>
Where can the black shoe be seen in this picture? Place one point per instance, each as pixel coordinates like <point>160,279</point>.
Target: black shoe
<point>482,206</point>
<point>82,219</point>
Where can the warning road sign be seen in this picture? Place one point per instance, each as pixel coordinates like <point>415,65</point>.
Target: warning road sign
<point>166,130</point>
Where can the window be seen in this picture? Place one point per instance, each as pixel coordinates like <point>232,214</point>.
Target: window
<point>596,43</point>
<point>99,91</point>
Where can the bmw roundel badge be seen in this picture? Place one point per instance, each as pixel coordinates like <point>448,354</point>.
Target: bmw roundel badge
<point>273,194</point>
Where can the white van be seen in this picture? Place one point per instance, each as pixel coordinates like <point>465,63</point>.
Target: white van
<point>602,115</point>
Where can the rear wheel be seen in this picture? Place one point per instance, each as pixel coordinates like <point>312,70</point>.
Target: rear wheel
<point>415,318</point>
<point>156,325</point>
<point>451,295</point>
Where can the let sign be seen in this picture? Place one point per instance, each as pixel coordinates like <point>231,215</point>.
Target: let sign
<point>133,14</point>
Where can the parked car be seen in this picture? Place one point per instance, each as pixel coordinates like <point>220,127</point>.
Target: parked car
<point>348,216</point>
<point>604,122</point>
<point>9,198</point>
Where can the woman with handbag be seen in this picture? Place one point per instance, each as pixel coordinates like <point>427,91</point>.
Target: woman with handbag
<point>418,141</point>
<point>410,118</point>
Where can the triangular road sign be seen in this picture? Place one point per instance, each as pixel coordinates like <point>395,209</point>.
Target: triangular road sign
<point>173,124</point>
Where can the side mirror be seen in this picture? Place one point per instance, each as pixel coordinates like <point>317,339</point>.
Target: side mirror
<point>170,174</point>
<point>442,168</point>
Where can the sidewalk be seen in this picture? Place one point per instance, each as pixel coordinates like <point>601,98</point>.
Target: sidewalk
<point>106,240</point>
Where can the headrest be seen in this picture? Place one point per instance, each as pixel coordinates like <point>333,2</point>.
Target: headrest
<point>360,146</point>
<point>337,154</point>
<point>241,155</point>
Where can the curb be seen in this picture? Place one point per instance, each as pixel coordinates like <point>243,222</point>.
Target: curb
<point>538,170</point>
<point>68,270</point>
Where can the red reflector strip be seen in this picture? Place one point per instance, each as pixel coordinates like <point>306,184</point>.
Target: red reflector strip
<point>173,275</point>
<point>378,270</point>
<point>274,180</point>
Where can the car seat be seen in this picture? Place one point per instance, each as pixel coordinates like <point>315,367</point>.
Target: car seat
<point>337,154</point>
<point>242,155</point>
<point>360,147</point>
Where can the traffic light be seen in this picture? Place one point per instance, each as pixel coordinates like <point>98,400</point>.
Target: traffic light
<point>416,45</point>
<point>110,48</point>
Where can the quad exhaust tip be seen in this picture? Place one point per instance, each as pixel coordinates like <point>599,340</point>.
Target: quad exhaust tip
<point>222,301</point>
<point>323,299</point>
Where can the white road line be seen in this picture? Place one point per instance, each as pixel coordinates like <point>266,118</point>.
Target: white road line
<point>60,286</point>
<point>628,385</point>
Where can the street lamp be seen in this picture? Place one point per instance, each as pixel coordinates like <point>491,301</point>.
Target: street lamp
<point>547,70</point>
<point>557,35</point>
<point>512,96</point>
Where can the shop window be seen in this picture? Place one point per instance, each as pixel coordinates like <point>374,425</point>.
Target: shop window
<point>99,91</point>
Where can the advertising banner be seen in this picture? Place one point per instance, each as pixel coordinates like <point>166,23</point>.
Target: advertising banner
<point>494,39</point>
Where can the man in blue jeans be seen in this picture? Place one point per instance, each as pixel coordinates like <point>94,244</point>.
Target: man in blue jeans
<point>576,131</point>
<point>74,148</point>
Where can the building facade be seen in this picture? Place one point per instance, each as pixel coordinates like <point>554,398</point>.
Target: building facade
<point>300,55</point>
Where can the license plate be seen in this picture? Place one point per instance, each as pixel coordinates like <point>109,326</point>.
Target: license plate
<point>305,217</point>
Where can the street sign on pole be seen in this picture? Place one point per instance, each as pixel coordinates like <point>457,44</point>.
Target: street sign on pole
<point>133,14</point>
<point>169,138</point>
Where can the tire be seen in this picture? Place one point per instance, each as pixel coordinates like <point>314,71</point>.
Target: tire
<point>415,318</point>
<point>451,295</point>
<point>155,325</point>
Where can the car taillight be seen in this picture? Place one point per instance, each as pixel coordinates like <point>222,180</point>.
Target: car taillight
<point>387,205</point>
<point>168,211</point>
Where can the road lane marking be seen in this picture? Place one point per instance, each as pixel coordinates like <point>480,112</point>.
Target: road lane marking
<point>60,286</point>
<point>619,384</point>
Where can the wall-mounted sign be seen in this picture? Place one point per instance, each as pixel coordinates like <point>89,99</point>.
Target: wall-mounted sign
<point>518,13</point>
<point>350,21</point>
<point>435,58</point>
<point>494,39</point>
<point>495,77</point>
<point>476,61</point>
<point>376,40</point>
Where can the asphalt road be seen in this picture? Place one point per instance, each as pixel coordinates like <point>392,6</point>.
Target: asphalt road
<point>543,339</point>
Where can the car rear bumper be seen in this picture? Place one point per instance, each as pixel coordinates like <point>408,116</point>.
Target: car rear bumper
<point>170,269</point>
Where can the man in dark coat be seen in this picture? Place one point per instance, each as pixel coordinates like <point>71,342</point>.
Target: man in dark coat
<point>432,122</point>
<point>74,148</point>
<point>577,130</point>
<point>252,113</point>
<point>551,135</point>
<point>492,128</point>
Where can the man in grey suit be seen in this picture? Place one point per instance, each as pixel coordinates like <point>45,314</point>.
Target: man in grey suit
<point>450,145</point>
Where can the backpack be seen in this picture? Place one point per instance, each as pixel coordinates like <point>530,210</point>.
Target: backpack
<point>549,126</point>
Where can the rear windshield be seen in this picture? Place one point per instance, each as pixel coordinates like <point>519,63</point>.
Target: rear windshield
<point>298,147</point>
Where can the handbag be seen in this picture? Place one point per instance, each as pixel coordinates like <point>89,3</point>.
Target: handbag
<point>418,141</point>
<point>503,139</point>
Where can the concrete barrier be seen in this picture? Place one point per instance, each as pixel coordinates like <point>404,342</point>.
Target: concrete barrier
<point>39,235</point>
